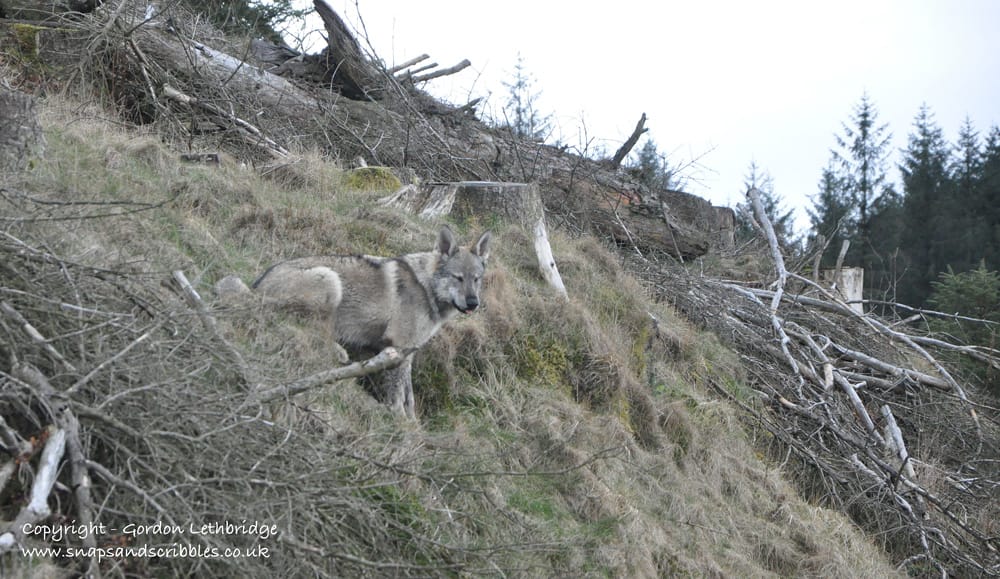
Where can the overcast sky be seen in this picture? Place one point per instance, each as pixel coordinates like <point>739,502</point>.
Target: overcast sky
<point>725,82</point>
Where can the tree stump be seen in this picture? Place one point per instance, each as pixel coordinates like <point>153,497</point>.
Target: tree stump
<point>20,134</point>
<point>519,203</point>
<point>849,283</point>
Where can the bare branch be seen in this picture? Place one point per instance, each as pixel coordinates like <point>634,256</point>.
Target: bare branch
<point>629,144</point>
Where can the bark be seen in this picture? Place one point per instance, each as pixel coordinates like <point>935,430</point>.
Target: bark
<point>347,68</point>
<point>20,134</point>
<point>629,144</point>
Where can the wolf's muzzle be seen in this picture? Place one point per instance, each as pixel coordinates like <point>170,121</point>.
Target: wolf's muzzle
<point>471,303</point>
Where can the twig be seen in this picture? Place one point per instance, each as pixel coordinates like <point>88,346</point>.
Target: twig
<point>35,334</point>
<point>252,134</point>
<point>194,300</point>
<point>90,375</point>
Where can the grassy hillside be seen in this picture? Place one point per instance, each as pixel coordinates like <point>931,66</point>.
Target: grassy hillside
<point>573,438</point>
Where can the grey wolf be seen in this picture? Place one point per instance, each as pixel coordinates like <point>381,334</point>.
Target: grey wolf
<point>369,303</point>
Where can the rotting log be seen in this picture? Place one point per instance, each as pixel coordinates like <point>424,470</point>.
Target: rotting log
<point>519,203</point>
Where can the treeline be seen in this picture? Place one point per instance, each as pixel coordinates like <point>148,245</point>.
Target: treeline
<point>945,219</point>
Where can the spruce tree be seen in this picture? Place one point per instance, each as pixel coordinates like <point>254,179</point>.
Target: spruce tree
<point>831,215</point>
<point>870,218</point>
<point>988,201</point>
<point>652,169</point>
<point>930,238</point>
<point>521,114</point>
<point>781,219</point>
<point>863,152</point>
<point>965,213</point>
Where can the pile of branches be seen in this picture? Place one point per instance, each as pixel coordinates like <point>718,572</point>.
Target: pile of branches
<point>127,424</point>
<point>886,428</point>
<point>162,64</point>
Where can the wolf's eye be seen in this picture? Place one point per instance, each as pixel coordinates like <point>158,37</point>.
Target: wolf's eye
<point>458,277</point>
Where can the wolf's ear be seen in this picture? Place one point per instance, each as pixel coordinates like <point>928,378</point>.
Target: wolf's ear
<point>446,244</point>
<point>482,247</point>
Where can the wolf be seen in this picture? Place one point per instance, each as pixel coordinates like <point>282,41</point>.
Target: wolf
<point>369,303</point>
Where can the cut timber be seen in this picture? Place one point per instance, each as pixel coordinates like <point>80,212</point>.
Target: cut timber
<point>518,203</point>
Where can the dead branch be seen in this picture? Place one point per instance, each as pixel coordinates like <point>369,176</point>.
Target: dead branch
<point>249,132</point>
<point>443,72</point>
<point>626,148</point>
<point>407,64</point>
<point>779,264</point>
<point>35,335</point>
<point>387,358</point>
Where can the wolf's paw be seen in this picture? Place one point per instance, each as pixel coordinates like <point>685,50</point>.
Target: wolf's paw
<point>341,354</point>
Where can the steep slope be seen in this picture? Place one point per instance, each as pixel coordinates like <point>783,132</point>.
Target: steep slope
<point>555,437</point>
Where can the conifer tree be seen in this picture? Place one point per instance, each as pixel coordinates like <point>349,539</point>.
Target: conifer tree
<point>862,156</point>
<point>856,200</point>
<point>831,215</point>
<point>521,114</point>
<point>781,219</point>
<point>930,211</point>
<point>987,205</point>
<point>651,167</point>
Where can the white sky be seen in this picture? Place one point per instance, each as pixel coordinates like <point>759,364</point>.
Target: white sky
<point>726,81</point>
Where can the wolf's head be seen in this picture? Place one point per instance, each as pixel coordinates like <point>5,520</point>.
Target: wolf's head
<point>459,274</point>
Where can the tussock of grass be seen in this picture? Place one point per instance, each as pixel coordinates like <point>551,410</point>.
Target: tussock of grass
<point>556,438</point>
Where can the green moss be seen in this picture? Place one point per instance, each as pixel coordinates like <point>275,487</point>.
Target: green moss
<point>26,38</point>
<point>546,362</point>
<point>372,179</point>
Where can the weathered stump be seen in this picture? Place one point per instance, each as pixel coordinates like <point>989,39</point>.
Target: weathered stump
<point>848,283</point>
